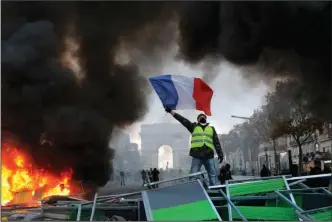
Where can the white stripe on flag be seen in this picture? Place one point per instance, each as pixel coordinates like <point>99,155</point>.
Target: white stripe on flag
<point>185,89</point>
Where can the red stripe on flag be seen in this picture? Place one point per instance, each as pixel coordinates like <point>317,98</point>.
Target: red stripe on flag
<point>202,95</point>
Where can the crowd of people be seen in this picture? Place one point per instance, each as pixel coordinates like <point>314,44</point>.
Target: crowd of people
<point>317,169</point>
<point>151,175</point>
<point>125,177</point>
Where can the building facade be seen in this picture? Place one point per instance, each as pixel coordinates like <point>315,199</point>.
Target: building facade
<point>266,153</point>
<point>127,156</point>
<point>153,136</point>
<point>317,142</point>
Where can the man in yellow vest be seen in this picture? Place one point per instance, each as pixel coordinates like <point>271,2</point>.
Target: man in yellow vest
<point>204,140</point>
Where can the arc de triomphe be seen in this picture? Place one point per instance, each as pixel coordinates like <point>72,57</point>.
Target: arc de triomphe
<point>153,136</point>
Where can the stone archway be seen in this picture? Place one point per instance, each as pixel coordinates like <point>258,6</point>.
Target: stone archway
<point>165,157</point>
<point>153,136</point>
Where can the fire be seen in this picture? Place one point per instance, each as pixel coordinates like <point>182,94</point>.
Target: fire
<point>22,183</point>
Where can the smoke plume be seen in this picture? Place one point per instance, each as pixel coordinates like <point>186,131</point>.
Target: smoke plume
<point>289,39</point>
<point>42,96</point>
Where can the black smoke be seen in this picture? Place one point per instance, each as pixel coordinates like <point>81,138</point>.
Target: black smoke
<point>41,96</point>
<point>263,34</point>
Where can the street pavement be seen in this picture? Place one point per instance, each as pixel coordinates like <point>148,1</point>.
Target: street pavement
<point>116,188</point>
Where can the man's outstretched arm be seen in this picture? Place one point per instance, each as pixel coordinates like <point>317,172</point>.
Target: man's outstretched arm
<point>217,145</point>
<point>185,122</point>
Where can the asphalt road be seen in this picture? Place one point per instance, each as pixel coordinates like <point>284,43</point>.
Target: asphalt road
<point>116,188</point>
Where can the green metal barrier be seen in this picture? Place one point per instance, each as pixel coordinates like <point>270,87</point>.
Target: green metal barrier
<point>179,202</point>
<point>322,216</point>
<point>257,187</point>
<point>266,213</point>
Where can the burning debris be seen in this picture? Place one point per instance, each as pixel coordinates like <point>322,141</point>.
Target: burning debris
<point>22,183</point>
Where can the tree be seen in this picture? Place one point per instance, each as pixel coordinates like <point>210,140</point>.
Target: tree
<point>297,121</point>
<point>229,142</point>
<point>249,142</point>
<point>264,122</point>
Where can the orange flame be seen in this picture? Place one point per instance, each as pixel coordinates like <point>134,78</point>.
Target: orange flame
<point>22,183</point>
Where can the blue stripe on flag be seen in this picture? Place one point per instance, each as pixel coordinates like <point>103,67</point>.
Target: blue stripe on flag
<point>164,87</point>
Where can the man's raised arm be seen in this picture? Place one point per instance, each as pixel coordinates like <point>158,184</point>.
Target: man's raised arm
<point>185,122</point>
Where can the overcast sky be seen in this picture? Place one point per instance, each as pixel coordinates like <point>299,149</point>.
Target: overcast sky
<point>233,95</point>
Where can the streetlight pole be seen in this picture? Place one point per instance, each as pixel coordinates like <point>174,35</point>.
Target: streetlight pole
<point>290,161</point>
<point>273,140</point>
<point>241,117</point>
<point>243,143</point>
<point>330,131</point>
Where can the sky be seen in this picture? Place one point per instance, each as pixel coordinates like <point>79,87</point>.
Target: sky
<point>233,95</point>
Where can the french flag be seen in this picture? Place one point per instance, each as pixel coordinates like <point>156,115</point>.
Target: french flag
<point>181,92</point>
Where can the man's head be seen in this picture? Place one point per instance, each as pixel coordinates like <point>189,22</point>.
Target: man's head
<point>201,118</point>
<point>227,166</point>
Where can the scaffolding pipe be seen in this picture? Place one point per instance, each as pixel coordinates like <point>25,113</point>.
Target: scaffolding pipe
<point>257,178</point>
<point>79,210</point>
<point>94,207</point>
<point>299,190</point>
<point>119,195</point>
<point>303,217</point>
<point>297,182</point>
<point>233,206</point>
<point>288,188</point>
<point>230,216</point>
<point>292,204</point>
<point>288,201</point>
<point>317,209</point>
<point>246,198</point>
<point>175,179</point>
<point>310,176</point>
<point>327,192</point>
<point>237,182</point>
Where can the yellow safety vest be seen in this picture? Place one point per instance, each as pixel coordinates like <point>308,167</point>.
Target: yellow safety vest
<point>200,137</point>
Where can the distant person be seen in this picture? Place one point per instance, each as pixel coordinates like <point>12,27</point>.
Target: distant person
<point>155,177</point>
<point>161,174</point>
<point>150,175</point>
<point>274,172</point>
<point>317,169</point>
<point>326,180</point>
<point>327,169</point>
<point>204,140</point>
<point>147,175</point>
<point>265,172</point>
<point>330,185</point>
<point>144,177</point>
<point>122,177</point>
<point>180,172</point>
<point>225,174</point>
